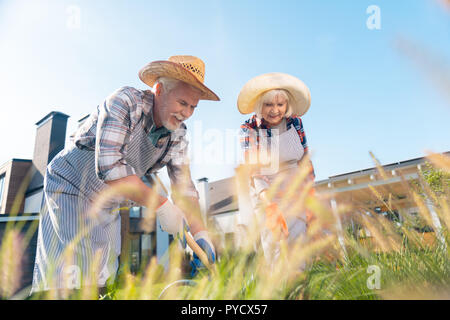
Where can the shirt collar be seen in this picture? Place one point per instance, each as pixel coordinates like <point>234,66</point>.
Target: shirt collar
<point>262,124</point>
<point>156,134</point>
<point>148,100</point>
<point>153,133</point>
<point>147,109</point>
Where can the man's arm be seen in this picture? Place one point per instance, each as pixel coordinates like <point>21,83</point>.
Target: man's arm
<point>118,116</point>
<point>134,189</point>
<point>191,207</point>
<point>116,119</point>
<point>184,193</point>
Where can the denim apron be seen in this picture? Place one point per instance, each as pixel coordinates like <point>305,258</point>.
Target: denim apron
<point>290,151</point>
<point>73,243</point>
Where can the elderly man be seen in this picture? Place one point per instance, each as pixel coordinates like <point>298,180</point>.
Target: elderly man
<point>130,135</point>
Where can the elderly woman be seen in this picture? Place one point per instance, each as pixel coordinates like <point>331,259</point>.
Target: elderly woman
<point>273,140</point>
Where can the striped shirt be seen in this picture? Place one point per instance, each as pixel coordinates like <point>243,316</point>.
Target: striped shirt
<point>108,130</point>
<point>113,143</point>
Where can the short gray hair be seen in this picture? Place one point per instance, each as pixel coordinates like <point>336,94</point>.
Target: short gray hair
<point>268,97</point>
<point>170,83</point>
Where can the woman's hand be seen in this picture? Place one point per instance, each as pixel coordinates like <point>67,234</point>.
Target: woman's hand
<point>275,221</point>
<point>274,217</point>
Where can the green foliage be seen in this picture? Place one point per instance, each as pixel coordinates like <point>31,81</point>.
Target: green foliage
<point>415,268</point>
<point>437,179</point>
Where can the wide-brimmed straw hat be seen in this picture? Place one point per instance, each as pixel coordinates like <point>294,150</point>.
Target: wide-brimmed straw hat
<point>188,69</point>
<point>299,95</point>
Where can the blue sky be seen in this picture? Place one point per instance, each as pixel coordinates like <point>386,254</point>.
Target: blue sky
<point>367,95</point>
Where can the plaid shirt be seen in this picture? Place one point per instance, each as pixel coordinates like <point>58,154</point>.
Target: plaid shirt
<point>251,132</point>
<point>107,132</point>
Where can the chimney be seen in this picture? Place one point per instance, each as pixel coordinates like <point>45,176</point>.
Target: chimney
<point>80,123</point>
<point>50,139</point>
<point>203,190</point>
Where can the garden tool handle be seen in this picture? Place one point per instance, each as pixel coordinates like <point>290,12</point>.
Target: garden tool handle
<point>189,240</point>
<point>198,251</point>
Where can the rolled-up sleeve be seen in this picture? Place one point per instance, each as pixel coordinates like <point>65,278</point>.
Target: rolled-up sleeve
<point>113,133</point>
<point>260,184</point>
<point>301,132</point>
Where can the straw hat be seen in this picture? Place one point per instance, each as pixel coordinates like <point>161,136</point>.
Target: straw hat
<point>188,69</point>
<point>299,95</point>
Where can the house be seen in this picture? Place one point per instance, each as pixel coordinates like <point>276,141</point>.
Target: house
<point>21,186</point>
<point>227,208</point>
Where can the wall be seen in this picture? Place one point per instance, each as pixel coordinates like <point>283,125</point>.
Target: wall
<point>15,172</point>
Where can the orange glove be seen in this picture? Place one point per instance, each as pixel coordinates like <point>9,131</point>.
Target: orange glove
<point>310,216</point>
<point>275,220</point>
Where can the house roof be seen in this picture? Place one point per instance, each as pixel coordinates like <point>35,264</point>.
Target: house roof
<point>223,193</point>
<point>12,161</point>
<point>390,166</point>
<point>222,196</point>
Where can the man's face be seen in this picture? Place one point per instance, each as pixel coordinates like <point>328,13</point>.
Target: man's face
<point>175,106</point>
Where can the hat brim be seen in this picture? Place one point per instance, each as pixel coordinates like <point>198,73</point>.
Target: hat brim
<point>300,96</point>
<point>156,69</point>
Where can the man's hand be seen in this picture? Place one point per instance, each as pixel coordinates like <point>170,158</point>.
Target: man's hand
<point>205,243</point>
<point>172,220</point>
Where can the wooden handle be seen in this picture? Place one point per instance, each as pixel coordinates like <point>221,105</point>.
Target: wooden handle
<point>190,241</point>
<point>198,251</point>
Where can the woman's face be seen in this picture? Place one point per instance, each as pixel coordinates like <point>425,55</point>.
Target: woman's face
<point>273,111</point>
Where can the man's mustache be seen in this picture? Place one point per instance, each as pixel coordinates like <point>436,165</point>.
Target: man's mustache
<point>178,116</point>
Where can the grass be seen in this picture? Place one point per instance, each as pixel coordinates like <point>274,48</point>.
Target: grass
<point>405,265</point>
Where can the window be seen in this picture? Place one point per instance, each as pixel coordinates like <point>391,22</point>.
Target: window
<point>391,215</point>
<point>148,248</point>
<point>2,182</point>
<point>135,212</point>
<point>134,253</point>
<point>142,249</point>
<point>33,202</point>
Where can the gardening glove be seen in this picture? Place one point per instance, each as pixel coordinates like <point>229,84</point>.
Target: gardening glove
<point>205,243</point>
<point>275,220</point>
<point>173,221</point>
<point>310,217</point>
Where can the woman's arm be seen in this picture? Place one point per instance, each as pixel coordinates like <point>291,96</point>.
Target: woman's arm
<point>263,197</point>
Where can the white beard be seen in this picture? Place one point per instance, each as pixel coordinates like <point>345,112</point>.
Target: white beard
<point>169,125</point>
